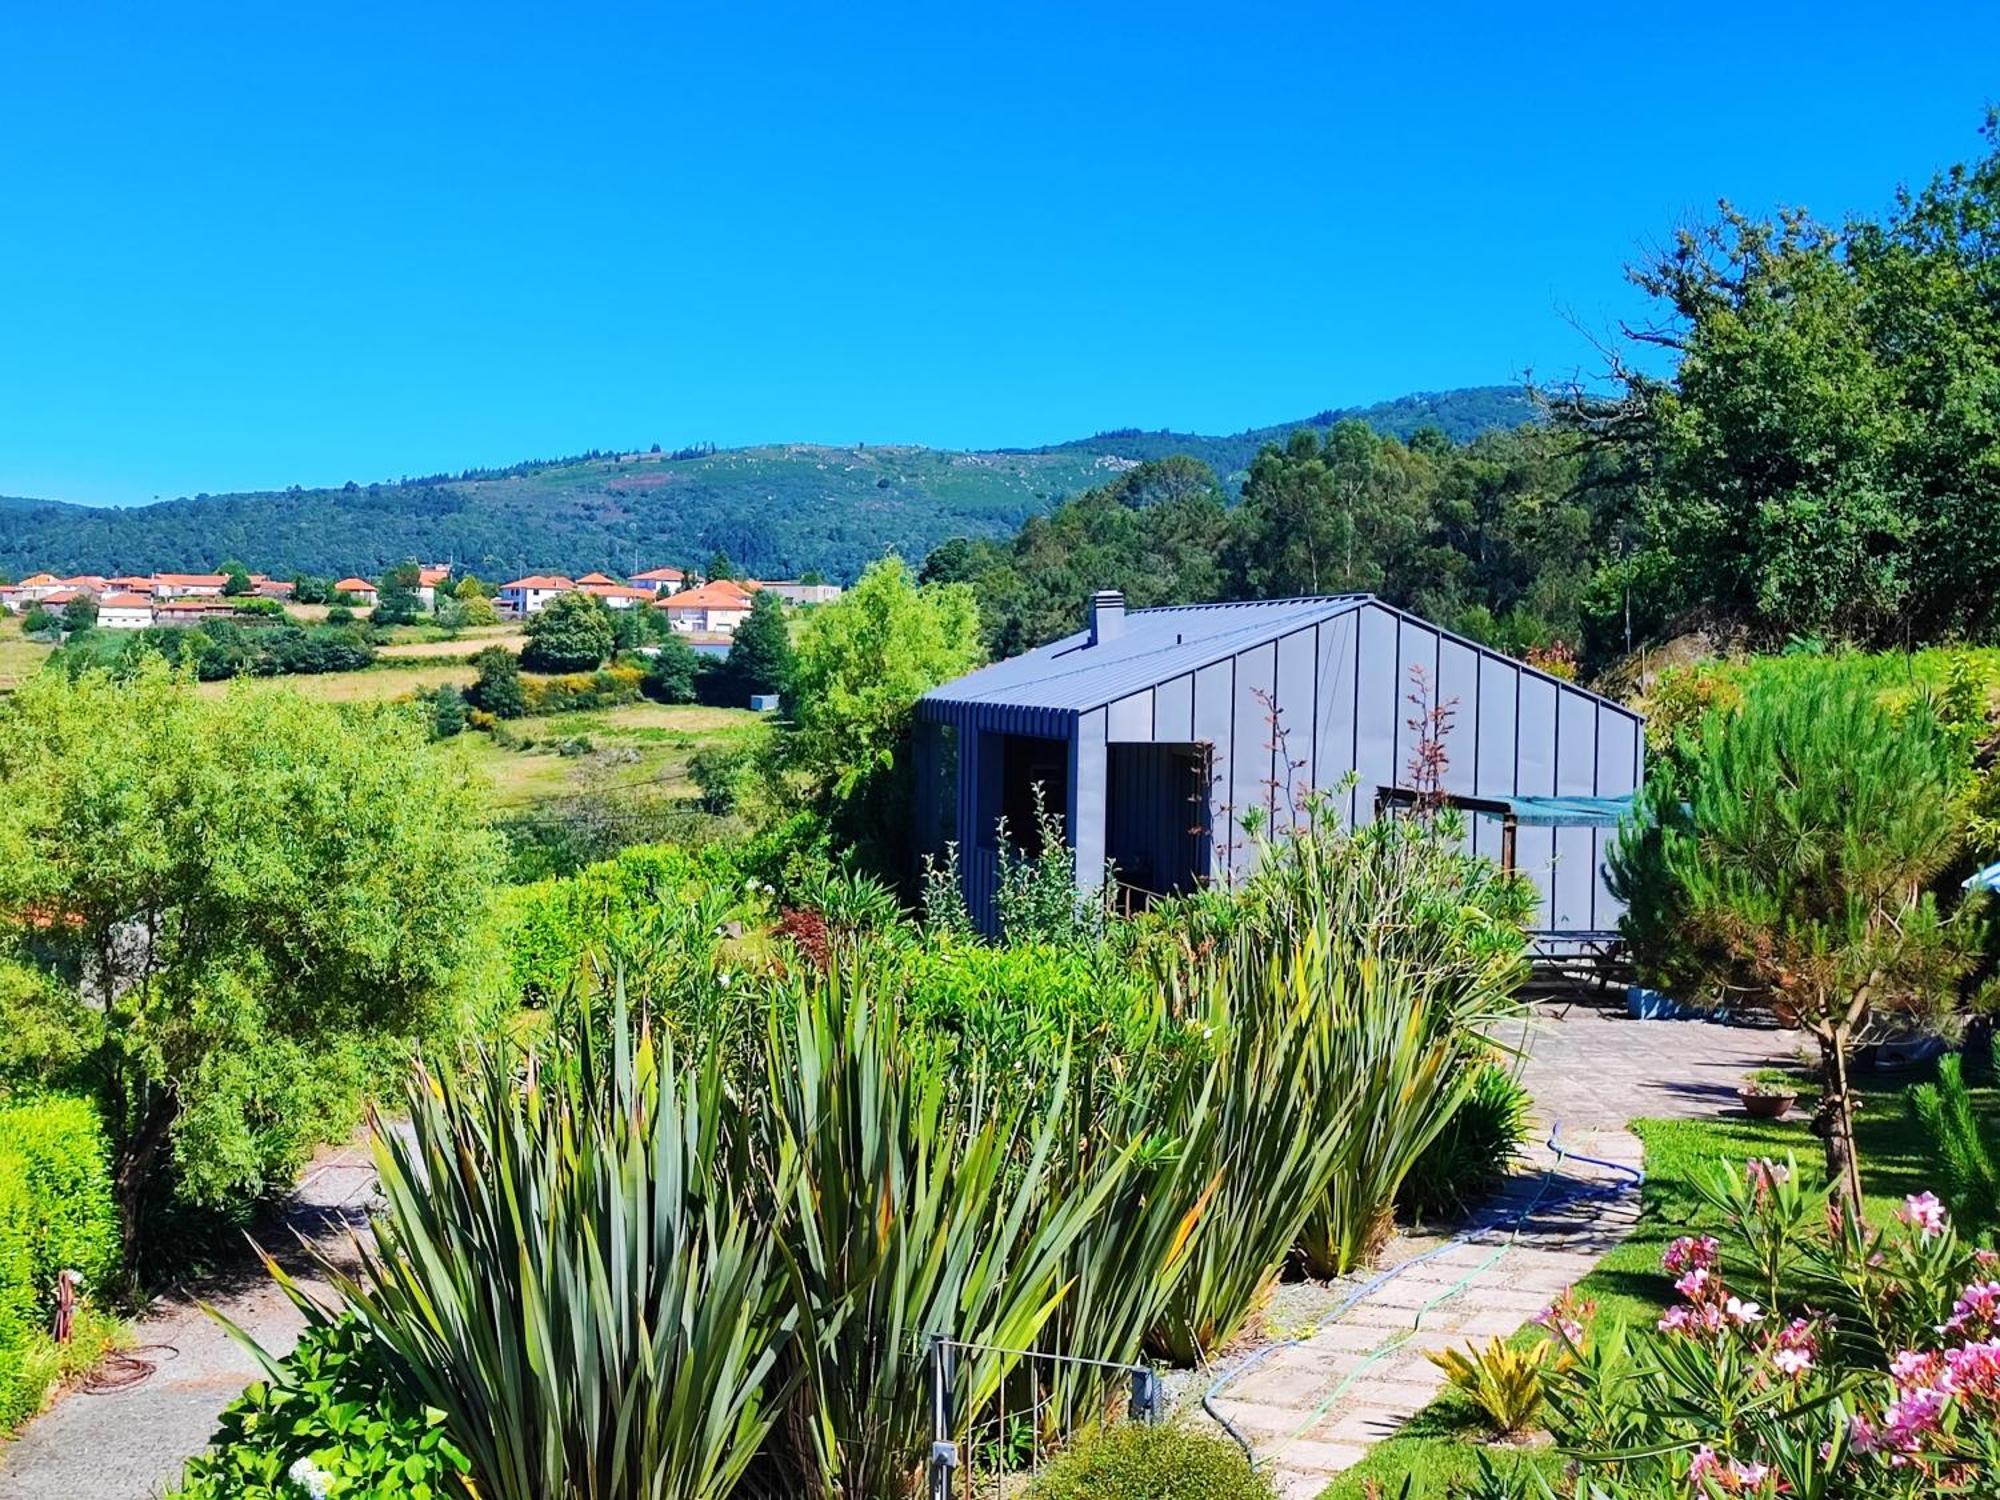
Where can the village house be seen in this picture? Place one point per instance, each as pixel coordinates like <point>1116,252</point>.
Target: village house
<point>360,590</point>
<point>30,590</point>
<point>190,610</point>
<point>273,588</point>
<point>124,611</point>
<point>615,595</point>
<point>430,578</point>
<point>660,580</point>
<point>528,596</point>
<point>188,585</point>
<point>713,609</point>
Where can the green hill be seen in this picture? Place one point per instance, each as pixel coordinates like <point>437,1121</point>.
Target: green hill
<point>774,510</point>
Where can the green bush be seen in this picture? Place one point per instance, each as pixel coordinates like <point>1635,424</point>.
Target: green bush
<point>1135,1462</point>
<point>1473,1151</point>
<point>331,1410</point>
<point>56,1214</point>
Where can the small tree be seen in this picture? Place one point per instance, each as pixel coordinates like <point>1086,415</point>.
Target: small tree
<point>760,657</point>
<point>236,580</point>
<point>396,599</point>
<point>307,589</point>
<point>79,614</point>
<point>497,689</point>
<point>572,633</point>
<point>719,566</point>
<point>38,621</point>
<point>670,675</point>
<point>1789,868</point>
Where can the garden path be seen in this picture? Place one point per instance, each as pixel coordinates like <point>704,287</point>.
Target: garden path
<point>1311,1408</point>
<point>128,1442</point>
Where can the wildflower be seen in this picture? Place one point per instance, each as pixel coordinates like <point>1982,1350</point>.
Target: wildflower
<point>1911,1415</point>
<point>1676,1319</point>
<point>1923,1213</point>
<point>1703,1465</point>
<point>1749,1475</point>
<point>1739,1311</point>
<point>1568,1318</point>
<point>1763,1174</point>
<point>1692,1284</point>
<point>1793,1362</point>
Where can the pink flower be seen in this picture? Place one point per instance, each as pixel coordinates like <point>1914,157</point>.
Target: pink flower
<point>1923,1213</point>
<point>1703,1465</point>
<point>1764,1174</point>
<point>1977,1311</point>
<point>1691,1285</point>
<point>1690,1253</point>
<point>1975,1369</point>
<point>1862,1434</point>
<point>1987,1258</point>
<point>1793,1362</point>
<point>1676,1319</point>
<point>1912,1369</point>
<point>1739,1311</point>
<point>1748,1475</point>
<point>1911,1415</point>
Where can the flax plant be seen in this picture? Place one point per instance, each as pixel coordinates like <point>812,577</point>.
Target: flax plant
<point>561,1272</point>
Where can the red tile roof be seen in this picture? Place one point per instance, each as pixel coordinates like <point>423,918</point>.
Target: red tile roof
<point>596,578</point>
<point>355,586</point>
<point>191,580</point>
<point>540,581</point>
<point>719,595</point>
<point>125,601</point>
<point>614,591</point>
<point>659,575</point>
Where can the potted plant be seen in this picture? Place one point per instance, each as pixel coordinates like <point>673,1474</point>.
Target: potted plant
<point>1768,1099</point>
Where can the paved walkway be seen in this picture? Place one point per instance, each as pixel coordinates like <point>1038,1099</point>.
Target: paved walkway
<point>1311,1409</point>
<point>129,1443</point>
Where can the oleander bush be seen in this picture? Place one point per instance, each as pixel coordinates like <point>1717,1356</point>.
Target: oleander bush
<point>1137,1462</point>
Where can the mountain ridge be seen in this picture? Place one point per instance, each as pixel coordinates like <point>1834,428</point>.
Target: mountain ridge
<point>779,508</point>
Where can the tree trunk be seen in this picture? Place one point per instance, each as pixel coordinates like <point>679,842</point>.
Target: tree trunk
<point>1834,1123</point>
<point>132,1175</point>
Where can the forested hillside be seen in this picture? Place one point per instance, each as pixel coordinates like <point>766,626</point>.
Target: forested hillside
<point>774,510</point>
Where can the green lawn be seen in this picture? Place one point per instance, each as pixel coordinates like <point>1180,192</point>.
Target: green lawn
<point>1441,1444</point>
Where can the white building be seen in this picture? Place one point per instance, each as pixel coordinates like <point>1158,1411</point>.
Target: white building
<point>793,592</point>
<point>661,580</point>
<point>188,585</point>
<point>713,609</point>
<point>528,596</point>
<point>124,612</point>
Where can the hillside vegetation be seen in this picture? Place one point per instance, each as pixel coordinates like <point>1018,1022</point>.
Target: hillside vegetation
<point>778,510</point>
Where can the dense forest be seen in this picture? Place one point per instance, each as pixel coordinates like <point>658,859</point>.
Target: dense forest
<point>1821,465</point>
<point>777,511</point>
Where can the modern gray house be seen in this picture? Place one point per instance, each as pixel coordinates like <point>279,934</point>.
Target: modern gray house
<point>1153,732</point>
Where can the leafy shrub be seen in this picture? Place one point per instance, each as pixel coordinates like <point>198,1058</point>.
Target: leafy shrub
<point>330,1418</point>
<point>604,688</point>
<point>571,633</point>
<point>1474,1149</point>
<point>497,689</point>
<point>56,1214</point>
<point>1133,1461</point>
<point>670,673</point>
<point>1857,1362</point>
<point>1506,1383</point>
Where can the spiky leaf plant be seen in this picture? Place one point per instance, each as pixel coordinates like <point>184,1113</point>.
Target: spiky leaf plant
<point>920,1203</point>
<point>560,1272</point>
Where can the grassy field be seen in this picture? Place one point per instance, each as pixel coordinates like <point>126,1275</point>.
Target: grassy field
<point>19,656</point>
<point>1441,1444</point>
<point>355,687</point>
<point>640,751</point>
<point>458,647</point>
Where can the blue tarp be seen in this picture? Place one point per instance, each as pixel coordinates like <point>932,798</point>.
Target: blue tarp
<point>1987,879</point>
<point>1569,812</point>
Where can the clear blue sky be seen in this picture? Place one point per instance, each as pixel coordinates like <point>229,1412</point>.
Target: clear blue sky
<point>242,247</point>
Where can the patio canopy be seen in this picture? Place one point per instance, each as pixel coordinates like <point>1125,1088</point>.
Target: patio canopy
<point>1568,812</point>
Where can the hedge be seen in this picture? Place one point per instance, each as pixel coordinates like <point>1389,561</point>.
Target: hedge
<point>1135,1462</point>
<point>56,1213</point>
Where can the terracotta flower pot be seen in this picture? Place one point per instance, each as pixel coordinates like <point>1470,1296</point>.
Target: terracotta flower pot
<point>1767,1106</point>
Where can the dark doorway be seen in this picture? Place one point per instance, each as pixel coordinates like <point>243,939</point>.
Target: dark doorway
<point>1029,766</point>
<point>1156,831</point>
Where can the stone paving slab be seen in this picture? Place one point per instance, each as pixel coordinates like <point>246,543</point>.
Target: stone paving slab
<point>1312,1409</point>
